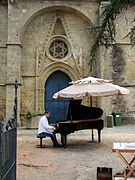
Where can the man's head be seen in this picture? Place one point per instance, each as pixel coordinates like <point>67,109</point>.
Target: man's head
<point>47,114</point>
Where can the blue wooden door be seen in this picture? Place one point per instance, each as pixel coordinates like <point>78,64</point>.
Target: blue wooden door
<point>58,107</point>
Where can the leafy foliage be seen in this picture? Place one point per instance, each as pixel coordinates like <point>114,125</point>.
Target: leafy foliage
<point>132,35</point>
<point>30,114</point>
<point>105,32</point>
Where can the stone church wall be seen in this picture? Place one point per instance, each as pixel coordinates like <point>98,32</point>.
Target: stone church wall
<point>118,64</point>
<point>3,59</point>
<point>25,30</point>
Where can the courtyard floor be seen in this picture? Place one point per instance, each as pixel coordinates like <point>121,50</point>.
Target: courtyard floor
<point>77,162</point>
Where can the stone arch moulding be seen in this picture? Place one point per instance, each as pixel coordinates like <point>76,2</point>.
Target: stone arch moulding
<point>47,72</point>
<point>54,8</point>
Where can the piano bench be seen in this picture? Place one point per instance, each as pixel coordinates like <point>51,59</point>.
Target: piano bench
<point>41,137</point>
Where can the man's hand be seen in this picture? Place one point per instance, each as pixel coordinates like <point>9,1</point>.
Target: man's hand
<point>53,128</point>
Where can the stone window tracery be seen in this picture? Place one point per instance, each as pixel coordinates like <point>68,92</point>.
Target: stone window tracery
<point>58,48</point>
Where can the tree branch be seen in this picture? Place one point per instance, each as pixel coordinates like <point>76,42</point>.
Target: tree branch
<point>105,33</point>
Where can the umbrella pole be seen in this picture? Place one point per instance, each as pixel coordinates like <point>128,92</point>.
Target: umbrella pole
<point>92,136</point>
<point>92,129</point>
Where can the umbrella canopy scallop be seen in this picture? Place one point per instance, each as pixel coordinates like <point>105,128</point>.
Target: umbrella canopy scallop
<point>90,87</point>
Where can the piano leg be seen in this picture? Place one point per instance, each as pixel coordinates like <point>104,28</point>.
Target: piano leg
<point>92,135</point>
<point>64,140</point>
<point>99,135</point>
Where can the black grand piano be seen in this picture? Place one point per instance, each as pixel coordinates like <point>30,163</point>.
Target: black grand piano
<point>80,117</point>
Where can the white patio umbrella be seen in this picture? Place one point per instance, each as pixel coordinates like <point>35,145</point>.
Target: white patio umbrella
<point>90,86</point>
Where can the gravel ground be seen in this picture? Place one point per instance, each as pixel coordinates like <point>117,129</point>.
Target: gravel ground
<point>77,162</point>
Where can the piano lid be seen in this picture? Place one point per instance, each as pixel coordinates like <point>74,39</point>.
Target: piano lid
<point>76,111</point>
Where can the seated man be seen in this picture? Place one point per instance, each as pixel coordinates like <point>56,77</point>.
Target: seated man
<point>46,130</point>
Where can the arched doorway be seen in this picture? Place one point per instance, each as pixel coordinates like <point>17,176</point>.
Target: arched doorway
<point>58,107</point>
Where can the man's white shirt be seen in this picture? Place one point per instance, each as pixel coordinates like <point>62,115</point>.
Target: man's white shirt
<point>44,126</point>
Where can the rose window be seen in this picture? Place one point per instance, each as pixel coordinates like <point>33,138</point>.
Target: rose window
<point>58,49</point>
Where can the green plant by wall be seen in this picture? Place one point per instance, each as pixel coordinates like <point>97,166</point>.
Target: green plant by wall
<point>30,114</point>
